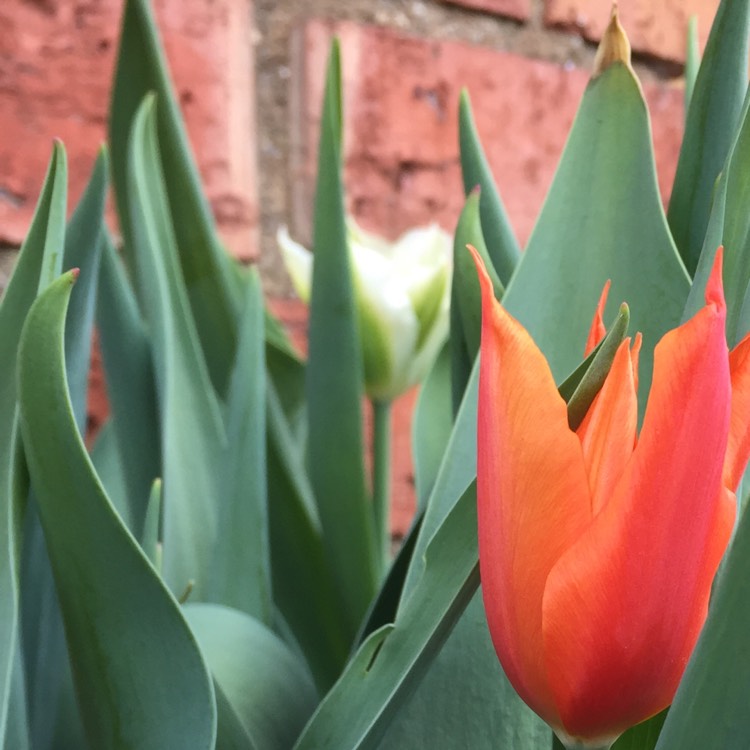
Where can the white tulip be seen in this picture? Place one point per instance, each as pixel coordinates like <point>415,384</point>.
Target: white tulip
<point>402,292</point>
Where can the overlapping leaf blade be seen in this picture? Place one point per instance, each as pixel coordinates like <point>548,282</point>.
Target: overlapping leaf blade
<point>213,287</point>
<point>141,681</point>
<point>266,687</point>
<point>715,106</point>
<point>502,244</point>
<point>193,439</point>
<point>39,260</point>
<point>593,228</point>
<point>334,380</point>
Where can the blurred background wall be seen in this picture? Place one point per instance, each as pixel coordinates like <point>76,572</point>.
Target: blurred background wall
<point>248,74</point>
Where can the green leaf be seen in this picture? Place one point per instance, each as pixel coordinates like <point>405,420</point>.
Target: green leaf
<point>265,685</point>
<point>151,540</point>
<point>390,663</point>
<point>242,577</point>
<point>643,736</point>
<point>729,225</point>
<point>580,388</point>
<point>128,369</point>
<point>39,259</point>
<point>193,439</point>
<point>466,300</point>
<point>105,456</point>
<point>431,426</point>
<point>213,287</point>
<point>83,250</point>
<point>334,380</point>
<point>603,214</point>
<point>502,245</point>
<point>303,584</point>
<point>692,60</point>
<point>710,708</point>
<point>710,126</point>
<point>141,681</point>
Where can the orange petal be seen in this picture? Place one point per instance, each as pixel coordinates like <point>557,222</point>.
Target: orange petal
<point>738,450</point>
<point>608,431</point>
<point>597,331</point>
<point>533,496</point>
<point>624,606</point>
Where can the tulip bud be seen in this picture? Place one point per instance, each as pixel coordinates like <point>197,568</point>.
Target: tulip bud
<point>402,290</point>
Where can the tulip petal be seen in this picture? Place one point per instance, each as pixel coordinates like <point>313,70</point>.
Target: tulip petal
<point>298,262</point>
<point>738,450</point>
<point>597,331</point>
<point>533,498</point>
<point>624,606</point>
<point>608,431</point>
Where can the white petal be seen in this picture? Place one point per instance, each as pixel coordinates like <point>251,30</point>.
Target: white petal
<point>298,261</point>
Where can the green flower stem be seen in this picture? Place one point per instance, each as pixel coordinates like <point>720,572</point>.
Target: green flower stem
<point>381,476</point>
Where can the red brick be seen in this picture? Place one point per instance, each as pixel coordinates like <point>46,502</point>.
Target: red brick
<point>520,9</point>
<point>56,64</point>
<point>654,28</point>
<point>401,140</point>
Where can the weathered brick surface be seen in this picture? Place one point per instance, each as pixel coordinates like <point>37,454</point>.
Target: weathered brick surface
<point>655,28</point>
<point>56,63</point>
<point>519,9</point>
<point>401,139</point>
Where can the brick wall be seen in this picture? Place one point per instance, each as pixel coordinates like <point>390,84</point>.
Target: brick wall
<point>525,63</point>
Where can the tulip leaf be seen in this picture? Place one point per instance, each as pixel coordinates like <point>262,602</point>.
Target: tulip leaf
<point>141,681</point>
<point>265,685</point>
<point>711,121</point>
<point>502,245</point>
<point>193,439</point>
<point>729,225</point>
<point>242,576</point>
<point>431,425</point>
<point>692,60</point>
<point>44,641</point>
<point>128,369</point>
<point>592,373</point>
<point>302,582</point>
<point>213,288</point>
<point>603,214</point>
<point>466,300</point>
<point>39,260</point>
<point>643,736</point>
<point>83,251</point>
<point>710,707</point>
<point>390,663</point>
<point>334,379</point>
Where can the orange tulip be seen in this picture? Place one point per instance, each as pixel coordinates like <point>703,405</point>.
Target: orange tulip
<point>598,547</point>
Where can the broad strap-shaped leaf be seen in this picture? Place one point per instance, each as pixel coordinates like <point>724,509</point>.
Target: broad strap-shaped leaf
<point>334,382</point>
<point>603,215</point>
<point>466,304</point>
<point>643,736</point>
<point>83,250</point>
<point>715,106</point>
<point>141,681</point>
<point>40,258</point>
<point>728,225</point>
<point>692,60</point>
<point>128,369</point>
<point>192,431</point>
<point>502,245</point>
<point>242,576</point>
<point>431,425</point>
<point>304,587</point>
<point>265,685</point>
<point>710,708</point>
<point>390,663</point>
<point>213,288</point>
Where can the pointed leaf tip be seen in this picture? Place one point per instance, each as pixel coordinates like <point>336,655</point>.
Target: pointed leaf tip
<point>614,46</point>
